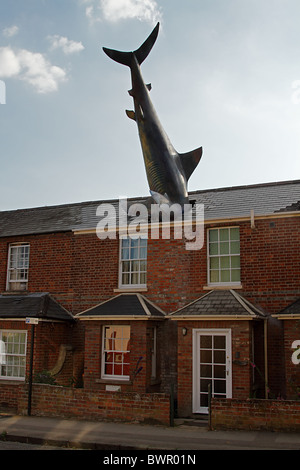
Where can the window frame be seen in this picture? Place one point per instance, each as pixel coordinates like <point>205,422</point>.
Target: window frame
<point>104,350</point>
<point>219,256</point>
<point>10,284</point>
<point>10,377</point>
<point>139,259</point>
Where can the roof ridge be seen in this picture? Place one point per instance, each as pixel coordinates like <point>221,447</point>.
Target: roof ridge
<point>143,304</point>
<point>240,299</point>
<point>138,198</point>
<point>246,186</point>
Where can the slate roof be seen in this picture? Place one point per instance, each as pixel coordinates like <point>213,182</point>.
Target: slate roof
<point>289,311</point>
<point>233,202</point>
<point>219,303</point>
<point>124,306</point>
<point>37,305</point>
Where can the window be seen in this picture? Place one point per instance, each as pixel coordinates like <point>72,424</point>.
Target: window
<point>116,352</point>
<point>18,265</point>
<point>224,255</point>
<point>13,354</point>
<point>133,262</point>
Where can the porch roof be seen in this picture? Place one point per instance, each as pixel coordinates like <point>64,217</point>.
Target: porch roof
<point>291,311</point>
<point>34,305</point>
<point>124,306</point>
<point>221,304</point>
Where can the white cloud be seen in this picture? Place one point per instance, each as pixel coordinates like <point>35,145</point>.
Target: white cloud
<point>116,10</point>
<point>68,46</point>
<point>9,63</point>
<point>32,68</point>
<point>11,31</point>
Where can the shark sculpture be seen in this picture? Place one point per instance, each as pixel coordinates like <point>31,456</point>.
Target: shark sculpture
<point>167,170</point>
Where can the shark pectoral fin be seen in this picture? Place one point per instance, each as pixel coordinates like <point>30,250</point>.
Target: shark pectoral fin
<point>130,114</point>
<point>149,86</point>
<point>160,198</point>
<point>190,160</point>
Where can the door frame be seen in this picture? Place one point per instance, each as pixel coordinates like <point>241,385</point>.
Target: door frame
<point>197,332</point>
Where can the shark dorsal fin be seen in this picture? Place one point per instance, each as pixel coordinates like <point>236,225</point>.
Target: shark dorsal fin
<point>189,161</point>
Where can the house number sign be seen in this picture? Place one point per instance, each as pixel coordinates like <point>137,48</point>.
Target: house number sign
<point>296,354</point>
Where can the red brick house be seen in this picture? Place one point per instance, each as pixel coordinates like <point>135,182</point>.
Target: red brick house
<point>132,314</point>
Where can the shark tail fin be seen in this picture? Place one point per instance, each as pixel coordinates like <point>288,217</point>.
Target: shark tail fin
<point>190,160</point>
<point>125,58</point>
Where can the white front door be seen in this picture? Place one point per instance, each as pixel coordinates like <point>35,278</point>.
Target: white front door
<point>211,366</point>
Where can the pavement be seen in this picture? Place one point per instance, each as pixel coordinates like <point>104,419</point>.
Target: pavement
<point>98,435</point>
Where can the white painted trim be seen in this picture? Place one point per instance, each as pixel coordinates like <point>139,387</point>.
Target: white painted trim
<point>197,332</point>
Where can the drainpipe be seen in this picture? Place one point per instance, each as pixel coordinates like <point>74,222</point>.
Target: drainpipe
<point>30,371</point>
<point>266,356</point>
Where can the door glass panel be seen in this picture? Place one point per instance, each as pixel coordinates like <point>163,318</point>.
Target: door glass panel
<point>204,400</point>
<point>219,342</point>
<point>220,372</point>
<point>204,385</point>
<point>220,386</point>
<point>205,370</point>
<point>219,357</point>
<point>205,341</point>
<point>206,356</point>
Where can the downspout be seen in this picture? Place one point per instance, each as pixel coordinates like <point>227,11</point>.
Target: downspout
<point>266,357</point>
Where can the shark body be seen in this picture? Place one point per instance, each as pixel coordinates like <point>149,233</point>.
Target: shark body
<point>167,170</point>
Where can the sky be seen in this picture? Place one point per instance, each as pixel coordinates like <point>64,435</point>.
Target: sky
<point>225,75</point>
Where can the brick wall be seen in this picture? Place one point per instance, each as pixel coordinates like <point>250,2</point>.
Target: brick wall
<point>270,259</point>
<point>9,394</point>
<point>48,400</point>
<point>81,270</point>
<point>140,356</point>
<point>292,371</point>
<point>50,265</point>
<point>272,415</point>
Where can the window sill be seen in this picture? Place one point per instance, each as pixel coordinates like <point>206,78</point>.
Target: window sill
<point>222,287</point>
<point>4,381</point>
<point>14,292</point>
<point>131,289</point>
<point>113,381</point>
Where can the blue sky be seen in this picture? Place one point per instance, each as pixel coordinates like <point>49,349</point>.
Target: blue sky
<point>225,74</point>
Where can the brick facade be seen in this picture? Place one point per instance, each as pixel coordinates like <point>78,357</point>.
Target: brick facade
<point>81,271</point>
